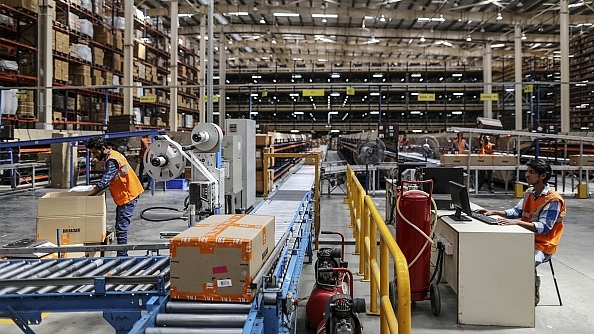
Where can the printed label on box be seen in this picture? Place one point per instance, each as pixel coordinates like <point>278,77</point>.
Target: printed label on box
<point>224,283</point>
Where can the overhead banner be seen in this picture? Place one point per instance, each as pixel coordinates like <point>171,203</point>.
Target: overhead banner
<point>426,97</point>
<point>350,91</point>
<point>489,96</point>
<point>528,89</point>
<point>313,92</point>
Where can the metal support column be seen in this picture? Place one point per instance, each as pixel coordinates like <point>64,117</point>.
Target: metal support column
<point>202,58</point>
<point>488,79</point>
<point>518,75</point>
<point>128,79</point>
<point>222,80</point>
<point>209,71</point>
<point>173,66</point>
<point>564,41</point>
<point>46,69</point>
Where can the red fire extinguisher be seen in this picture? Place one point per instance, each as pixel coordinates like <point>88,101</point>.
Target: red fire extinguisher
<point>413,234</point>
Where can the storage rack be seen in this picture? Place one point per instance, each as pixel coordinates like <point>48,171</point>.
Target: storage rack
<point>86,84</point>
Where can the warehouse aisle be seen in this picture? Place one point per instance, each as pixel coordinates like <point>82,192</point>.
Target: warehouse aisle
<point>574,267</point>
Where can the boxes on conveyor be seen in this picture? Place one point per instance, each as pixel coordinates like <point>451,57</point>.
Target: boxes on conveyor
<point>216,259</point>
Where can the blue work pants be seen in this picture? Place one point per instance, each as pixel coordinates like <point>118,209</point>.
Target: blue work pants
<point>124,215</point>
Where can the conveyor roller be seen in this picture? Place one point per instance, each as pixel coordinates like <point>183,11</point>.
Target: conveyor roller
<point>202,320</point>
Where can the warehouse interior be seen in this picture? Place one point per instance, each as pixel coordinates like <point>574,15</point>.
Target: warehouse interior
<point>272,120</point>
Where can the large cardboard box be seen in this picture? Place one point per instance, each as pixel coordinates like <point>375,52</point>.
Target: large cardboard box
<point>217,259</point>
<point>583,160</point>
<point>78,218</point>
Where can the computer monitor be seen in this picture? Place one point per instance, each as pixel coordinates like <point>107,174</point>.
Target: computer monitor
<point>460,201</point>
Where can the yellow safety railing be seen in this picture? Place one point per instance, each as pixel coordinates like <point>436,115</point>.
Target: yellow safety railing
<point>366,222</point>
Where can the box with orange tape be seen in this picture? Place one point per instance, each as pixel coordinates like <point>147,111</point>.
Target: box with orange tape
<point>216,259</point>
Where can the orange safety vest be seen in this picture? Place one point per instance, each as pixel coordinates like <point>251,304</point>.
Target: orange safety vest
<point>460,145</point>
<point>144,144</point>
<point>125,186</point>
<point>487,148</point>
<point>547,242</point>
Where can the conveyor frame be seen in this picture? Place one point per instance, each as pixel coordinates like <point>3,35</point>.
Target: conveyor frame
<point>121,309</point>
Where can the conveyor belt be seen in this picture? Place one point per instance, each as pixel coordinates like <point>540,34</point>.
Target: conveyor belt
<point>284,203</point>
<point>287,205</point>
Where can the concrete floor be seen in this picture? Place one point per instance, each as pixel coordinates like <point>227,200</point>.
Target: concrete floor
<point>574,268</point>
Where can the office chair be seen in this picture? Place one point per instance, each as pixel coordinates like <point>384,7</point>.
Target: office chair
<point>550,261</point>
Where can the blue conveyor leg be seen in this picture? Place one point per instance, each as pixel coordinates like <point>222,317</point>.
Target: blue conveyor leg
<point>122,321</point>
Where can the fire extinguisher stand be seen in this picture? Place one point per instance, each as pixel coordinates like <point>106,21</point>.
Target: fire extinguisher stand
<point>414,229</point>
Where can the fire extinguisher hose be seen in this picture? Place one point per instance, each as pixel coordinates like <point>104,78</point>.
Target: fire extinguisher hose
<point>429,240</point>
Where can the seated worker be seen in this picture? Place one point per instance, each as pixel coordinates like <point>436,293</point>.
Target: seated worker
<point>486,148</point>
<point>541,211</point>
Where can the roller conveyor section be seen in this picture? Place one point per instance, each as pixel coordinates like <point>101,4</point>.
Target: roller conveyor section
<point>120,287</point>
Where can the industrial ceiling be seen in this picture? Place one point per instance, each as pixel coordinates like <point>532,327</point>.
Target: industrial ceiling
<point>338,33</point>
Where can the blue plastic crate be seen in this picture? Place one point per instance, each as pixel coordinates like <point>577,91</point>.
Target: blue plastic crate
<point>177,184</point>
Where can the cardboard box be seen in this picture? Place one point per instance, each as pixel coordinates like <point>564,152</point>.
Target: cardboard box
<point>585,160</point>
<point>454,159</point>
<point>26,4</point>
<point>230,249</point>
<point>79,218</point>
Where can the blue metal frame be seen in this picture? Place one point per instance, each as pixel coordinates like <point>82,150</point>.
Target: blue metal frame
<point>270,318</point>
<point>73,142</point>
<point>122,309</point>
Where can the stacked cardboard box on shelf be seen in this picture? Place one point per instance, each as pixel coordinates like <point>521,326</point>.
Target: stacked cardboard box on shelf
<point>80,75</point>
<point>139,50</point>
<point>103,35</point>
<point>60,42</point>
<point>263,145</point>
<point>30,5</point>
<point>27,105</point>
<point>97,78</point>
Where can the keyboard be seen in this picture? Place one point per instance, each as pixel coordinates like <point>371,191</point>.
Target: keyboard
<point>483,218</point>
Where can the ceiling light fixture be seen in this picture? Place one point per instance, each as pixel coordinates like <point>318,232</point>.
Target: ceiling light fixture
<point>499,17</point>
<point>273,41</point>
<point>262,20</point>
<point>468,38</point>
<point>324,20</point>
<point>523,36</point>
<point>382,18</point>
<point>520,4</point>
<point>422,39</point>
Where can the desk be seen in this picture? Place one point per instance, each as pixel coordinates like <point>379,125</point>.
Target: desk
<point>23,165</point>
<point>491,270</point>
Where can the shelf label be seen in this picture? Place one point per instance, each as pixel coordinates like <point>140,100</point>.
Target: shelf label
<point>350,91</point>
<point>21,95</point>
<point>148,99</point>
<point>489,96</point>
<point>215,99</point>
<point>313,92</point>
<point>426,97</point>
<point>528,88</point>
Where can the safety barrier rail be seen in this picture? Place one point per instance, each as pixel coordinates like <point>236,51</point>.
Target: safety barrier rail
<point>366,222</point>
